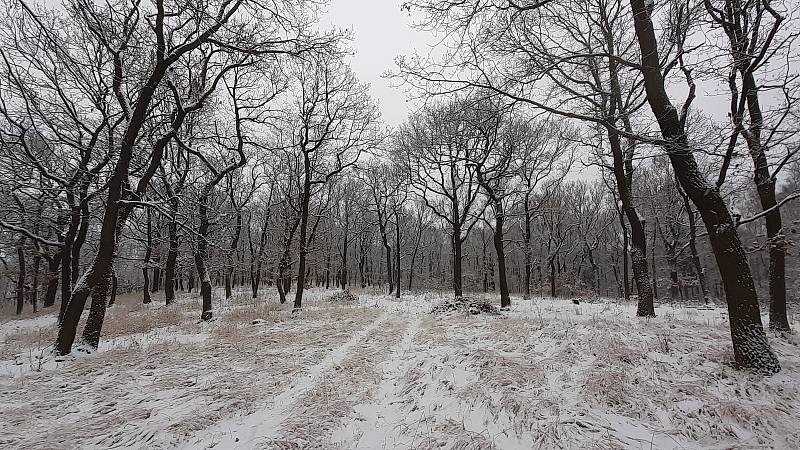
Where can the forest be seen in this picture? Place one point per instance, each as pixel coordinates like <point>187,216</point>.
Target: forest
<point>581,236</point>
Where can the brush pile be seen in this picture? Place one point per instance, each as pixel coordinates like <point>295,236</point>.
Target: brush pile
<point>344,296</point>
<point>465,305</point>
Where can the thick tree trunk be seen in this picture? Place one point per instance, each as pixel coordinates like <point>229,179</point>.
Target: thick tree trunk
<point>750,345</point>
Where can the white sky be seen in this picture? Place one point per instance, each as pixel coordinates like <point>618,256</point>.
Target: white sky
<point>381,33</point>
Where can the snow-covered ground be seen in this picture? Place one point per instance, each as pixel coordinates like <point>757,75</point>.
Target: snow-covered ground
<point>385,373</point>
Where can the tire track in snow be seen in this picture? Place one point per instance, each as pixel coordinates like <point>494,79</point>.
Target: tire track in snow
<point>246,431</point>
<point>382,423</point>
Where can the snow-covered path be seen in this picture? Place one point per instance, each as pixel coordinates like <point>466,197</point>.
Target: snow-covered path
<point>263,425</point>
<point>380,423</point>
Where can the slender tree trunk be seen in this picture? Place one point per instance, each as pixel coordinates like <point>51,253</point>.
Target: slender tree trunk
<point>528,250</point>
<point>53,264</point>
<point>146,264</point>
<point>301,265</point>
<point>397,256</point>
<point>237,232</point>
<point>21,275</point>
<point>80,238</point>
<point>653,261</point>
<point>201,256</point>
<point>37,261</point>
<point>388,251</point>
<point>114,285</point>
<point>638,237</point>
<point>172,258</point>
<point>626,285</point>
<point>699,270</point>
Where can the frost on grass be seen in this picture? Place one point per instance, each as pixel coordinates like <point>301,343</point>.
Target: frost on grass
<point>377,372</point>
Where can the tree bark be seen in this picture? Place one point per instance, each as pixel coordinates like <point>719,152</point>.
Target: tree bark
<point>21,275</point>
<point>750,345</point>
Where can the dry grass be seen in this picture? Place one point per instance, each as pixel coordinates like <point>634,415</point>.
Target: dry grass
<point>328,404</point>
<point>590,376</point>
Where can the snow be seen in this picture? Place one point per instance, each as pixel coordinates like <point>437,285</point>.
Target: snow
<point>385,373</point>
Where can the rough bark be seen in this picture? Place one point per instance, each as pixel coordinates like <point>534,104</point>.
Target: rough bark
<point>750,345</point>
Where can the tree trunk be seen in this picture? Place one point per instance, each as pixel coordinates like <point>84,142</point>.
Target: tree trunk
<point>146,264</point>
<point>172,253</point>
<point>397,256</point>
<point>37,261</point>
<point>53,264</point>
<point>201,256</point>
<point>638,237</point>
<point>301,264</point>
<point>528,249</point>
<point>699,270</point>
<point>237,231</point>
<point>456,244</point>
<point>21,275</point>
<point>499,217</point>
<point>750,345</point>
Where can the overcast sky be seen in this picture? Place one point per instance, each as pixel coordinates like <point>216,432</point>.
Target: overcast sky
<point>381,32</point>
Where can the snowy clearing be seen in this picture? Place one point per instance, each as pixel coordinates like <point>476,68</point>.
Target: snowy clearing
<point>385,373</point>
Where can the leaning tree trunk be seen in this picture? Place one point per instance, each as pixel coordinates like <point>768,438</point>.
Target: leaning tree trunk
<point>750,345</point>
<point>638,237</point>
